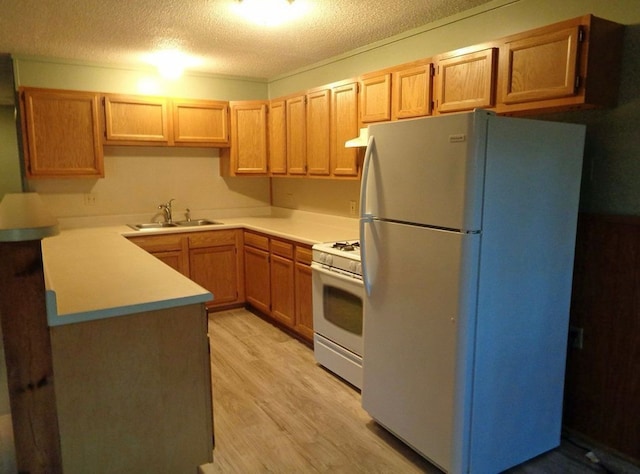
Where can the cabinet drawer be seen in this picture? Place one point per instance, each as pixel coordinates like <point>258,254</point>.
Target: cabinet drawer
<point>283,249</point>
<point>256,240</point>
<point>212,238</point>
<point>303,255</point>
<point>159,243</point>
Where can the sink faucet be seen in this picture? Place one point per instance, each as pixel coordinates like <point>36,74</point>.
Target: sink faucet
<point>166,209</point>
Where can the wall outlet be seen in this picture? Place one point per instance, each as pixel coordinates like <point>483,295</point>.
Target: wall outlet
<point>353,208</point>
<point>90,199</point>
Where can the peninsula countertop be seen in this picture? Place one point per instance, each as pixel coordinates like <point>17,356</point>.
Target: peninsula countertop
<point>94,273</point>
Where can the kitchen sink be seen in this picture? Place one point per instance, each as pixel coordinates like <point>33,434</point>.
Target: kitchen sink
<point>197,222</point>
<point>162,225</point>
<point>152,225</point>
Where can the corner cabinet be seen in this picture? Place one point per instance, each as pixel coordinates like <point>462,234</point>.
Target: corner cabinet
<point>213,259</point>
<point>561,66</point>
<point>248,151</point>
<point>61,133</point>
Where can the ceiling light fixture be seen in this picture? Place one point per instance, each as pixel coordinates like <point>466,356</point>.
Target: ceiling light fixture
<point>269,12</point>
<point>171,63</point>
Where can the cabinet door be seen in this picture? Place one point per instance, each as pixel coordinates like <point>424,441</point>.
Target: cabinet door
<point>304,306</point>
<point>136,119</point>
<point>61,134</point>
<point>257,278</point>
<point>375,98</point>
<point>344,126</point>
<point>412,92</point>
<point>249,137</point>
<point>318,132</point>
<point>466,81</point>
<point>540,67</point>
<point>172,249</point>
<point>176,259</point>
<point>216,269</point>
<point>277,137</point>
<point>282,290</point>
<point>200,122</point>
<point>297,135</point>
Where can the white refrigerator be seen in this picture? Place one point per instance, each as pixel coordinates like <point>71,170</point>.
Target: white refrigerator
<point>467,230</point>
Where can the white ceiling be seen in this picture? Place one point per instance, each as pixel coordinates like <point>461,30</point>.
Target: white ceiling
<point>120,31</point>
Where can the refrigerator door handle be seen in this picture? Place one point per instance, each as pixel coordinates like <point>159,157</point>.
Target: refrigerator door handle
<point>365,177</point>
<point>364,220</point>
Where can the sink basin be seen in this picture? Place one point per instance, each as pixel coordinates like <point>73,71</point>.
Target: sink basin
<point>162,225</point>
<point>151,225</point>
<point>197,222</point>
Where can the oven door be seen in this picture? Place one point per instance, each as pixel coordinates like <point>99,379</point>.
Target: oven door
<point>337,308</point>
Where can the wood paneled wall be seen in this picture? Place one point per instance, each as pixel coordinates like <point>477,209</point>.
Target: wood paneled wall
<point>602,391</point>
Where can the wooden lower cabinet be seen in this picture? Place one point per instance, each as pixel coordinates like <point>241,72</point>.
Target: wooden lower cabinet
<point>172,249</point>
<point>278,281</point>
<point>257,278</point>
<point>303,282</point>
<point>210,258</point>
<point>214,263</point>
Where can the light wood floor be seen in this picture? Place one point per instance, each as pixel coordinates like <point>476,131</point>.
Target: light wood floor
<point>276,410</point>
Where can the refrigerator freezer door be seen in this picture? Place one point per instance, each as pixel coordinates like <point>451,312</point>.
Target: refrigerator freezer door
<point>427,171</point>
<point>415,333</point>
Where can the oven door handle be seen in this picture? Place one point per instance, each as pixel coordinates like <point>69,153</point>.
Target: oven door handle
<point>316,267</point>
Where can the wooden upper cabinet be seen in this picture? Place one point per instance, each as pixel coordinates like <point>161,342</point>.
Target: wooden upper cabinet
<point>540,67</point>
<point>568,64</point>
<point>375,98</point>
<point>248,149</point>
<point>465,80</point>
<point>61,133</point>
<point>319,132</point>
<point>134,119</point>
<point>412,91</point>
<point>200,122</point>
<point>297,135</point>
<point>278,137</point>
<point>344,126</point>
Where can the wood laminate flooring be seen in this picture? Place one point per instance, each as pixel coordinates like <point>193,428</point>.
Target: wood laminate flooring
<point>276,410</point>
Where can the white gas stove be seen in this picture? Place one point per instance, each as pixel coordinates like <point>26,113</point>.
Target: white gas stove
<point>337,308</point>
<point>341,257</point>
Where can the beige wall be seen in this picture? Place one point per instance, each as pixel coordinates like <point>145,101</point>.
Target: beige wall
<point>611,181</point>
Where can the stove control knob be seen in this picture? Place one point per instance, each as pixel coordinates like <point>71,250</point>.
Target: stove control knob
<point>328,259</point>
<point>355,267</point>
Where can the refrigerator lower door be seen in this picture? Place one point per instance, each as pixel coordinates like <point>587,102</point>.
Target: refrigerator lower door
<point>417,326</point>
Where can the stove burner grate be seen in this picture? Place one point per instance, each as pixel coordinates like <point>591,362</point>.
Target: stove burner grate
<point>346,246</point>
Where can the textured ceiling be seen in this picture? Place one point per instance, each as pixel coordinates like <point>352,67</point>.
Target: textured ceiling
<point>121,32</point>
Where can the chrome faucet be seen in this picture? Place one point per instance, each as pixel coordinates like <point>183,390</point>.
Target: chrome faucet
<point>166,209</point>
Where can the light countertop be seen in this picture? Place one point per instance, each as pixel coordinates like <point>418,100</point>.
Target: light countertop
<point>94,273</point>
